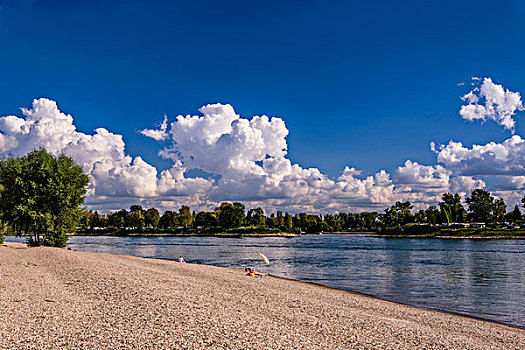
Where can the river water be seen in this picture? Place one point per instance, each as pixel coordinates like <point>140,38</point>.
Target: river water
<point>481,278</point>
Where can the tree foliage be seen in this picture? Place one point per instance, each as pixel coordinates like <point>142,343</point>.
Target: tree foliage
<point>432,215</point>
<point>185,216</point>
<point>169,220</point>
<point>451,208</point>
<point>481,206</point>
<point>136,216</point>
<point>151,217</point>
<point>205,219</point>
<point>41,195</point>
<point>499,210</point>
<point>230,215</point>
<point>398,214</point>
<point>515,215</point>
<point>255,217</point>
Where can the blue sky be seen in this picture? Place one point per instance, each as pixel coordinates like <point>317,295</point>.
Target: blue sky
<point>365,85</point>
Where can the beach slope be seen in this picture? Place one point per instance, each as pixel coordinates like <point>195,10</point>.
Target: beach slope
<point>59,299</point>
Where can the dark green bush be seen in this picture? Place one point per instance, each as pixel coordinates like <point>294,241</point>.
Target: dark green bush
<point>56,239</point>
<point>419,230</point>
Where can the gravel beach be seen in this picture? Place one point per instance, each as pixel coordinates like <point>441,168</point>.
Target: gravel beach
<point>59,299</point>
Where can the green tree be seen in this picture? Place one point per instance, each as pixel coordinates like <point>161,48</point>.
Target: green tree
<point>399,214</point>
<point>230,215</point>
<point>480,206</point>
<point>136,216</point>
<point>95,220</point>
<point>309,223</point>
<point>224,213</point>
<point>515,215</point>
<point>432,215</point>
<point>352,222</point>
<point>168,220</point>
<point>185,216</point>
<point>421,216</point>
<point>499,210</point>
<point>205,219</point>
<point>151,218</point>
<point>85,219</point>
<point>451,208</point>
<point>118,219</point>
<point>288,223</point>
<point>271,221</point>
<point>368,220</point>
<point>41,195</point>
<point>239,214</point>
<point>343,219</point>
<point>302,221</point>
<point>255,217</point>
<point>332,223</point>
<point>280,217</point>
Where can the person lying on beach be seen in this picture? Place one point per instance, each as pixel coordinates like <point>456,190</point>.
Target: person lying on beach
<point>251,272</point>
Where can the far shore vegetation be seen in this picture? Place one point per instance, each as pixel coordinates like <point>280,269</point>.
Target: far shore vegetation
<point>485,216</point>
<point>42,196</point>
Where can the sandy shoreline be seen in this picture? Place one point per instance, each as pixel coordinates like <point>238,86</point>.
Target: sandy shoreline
<point>60,299</point>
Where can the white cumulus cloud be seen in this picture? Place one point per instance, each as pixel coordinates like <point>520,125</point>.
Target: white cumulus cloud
<point>506,158</point>
<point>491,101</point>
<point>249,158</point>
<point>423,178</point>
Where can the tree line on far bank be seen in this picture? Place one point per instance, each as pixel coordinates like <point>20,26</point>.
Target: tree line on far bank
<point>482,207</point>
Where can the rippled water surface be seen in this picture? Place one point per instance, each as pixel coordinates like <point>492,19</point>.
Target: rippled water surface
<point>482,278</point>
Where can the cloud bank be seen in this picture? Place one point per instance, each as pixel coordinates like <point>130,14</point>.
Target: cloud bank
<point>245,159</point>
<point>102,155</point>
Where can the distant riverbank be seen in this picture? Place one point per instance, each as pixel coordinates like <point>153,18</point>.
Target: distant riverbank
<point>187,232</point>
<point>413,231</point>
<point>417,231</point>
<point>446,237</point>
<point>175,234</point>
